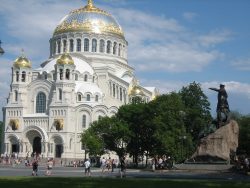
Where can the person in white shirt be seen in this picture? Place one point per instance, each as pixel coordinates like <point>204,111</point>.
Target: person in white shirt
<point>103,164</point>
<point>87,167</point>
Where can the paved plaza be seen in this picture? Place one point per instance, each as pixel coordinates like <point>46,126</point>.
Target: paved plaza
<point>130,173</point>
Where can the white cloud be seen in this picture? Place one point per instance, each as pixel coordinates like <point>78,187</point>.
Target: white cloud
<point>239,93</point>
<point>29,25</point>
<point>153,40</point>
<point>189,16</point>
<point>214,38</point>
<point>163,44</point>
<point>231,86</point>
<point>242,64</point>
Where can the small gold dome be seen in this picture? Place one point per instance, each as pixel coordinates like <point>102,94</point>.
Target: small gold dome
<point>136,90</point>
<point>65,59</point>
<point>22,62</point>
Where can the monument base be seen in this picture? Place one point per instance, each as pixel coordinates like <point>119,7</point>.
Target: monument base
<point>217,147</point>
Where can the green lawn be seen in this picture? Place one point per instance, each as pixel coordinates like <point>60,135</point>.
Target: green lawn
<point>54,182</point>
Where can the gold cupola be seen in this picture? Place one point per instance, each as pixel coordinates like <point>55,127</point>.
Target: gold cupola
<point>89,19</point>
<point>65,59</point>
<point>136,91</point>
<point>22,62</point>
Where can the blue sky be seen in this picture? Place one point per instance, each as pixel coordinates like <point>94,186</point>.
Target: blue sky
<point>171,42</point>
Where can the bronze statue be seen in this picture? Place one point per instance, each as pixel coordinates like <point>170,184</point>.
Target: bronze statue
<point>222,105</point>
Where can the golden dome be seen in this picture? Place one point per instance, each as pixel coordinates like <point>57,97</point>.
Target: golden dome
<point>65,59</point>
<point>89,19</point>
<point>135,91</point>
<point>22,62</point>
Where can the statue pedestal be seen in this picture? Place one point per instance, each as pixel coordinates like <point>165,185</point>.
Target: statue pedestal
<point>217,146</point>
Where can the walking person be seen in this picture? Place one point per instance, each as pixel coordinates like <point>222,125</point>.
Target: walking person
<point>103,164</point>
<point>87,165</point>
<point>49,167</point>
<point>34,167</point>
<point>123,168</point>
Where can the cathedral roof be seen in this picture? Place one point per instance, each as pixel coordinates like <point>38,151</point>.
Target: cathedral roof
<point>89,19</point>
<point>87,87</point>
<point>81,65</point>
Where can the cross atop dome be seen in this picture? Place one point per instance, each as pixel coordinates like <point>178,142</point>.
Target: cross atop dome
<point>90,3</point>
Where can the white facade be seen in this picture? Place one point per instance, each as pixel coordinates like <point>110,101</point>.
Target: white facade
<point>87,76</point>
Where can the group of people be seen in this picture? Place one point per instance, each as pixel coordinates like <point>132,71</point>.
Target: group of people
<point>108,164</point>
<point>35,165</point>
<point>159,163</point>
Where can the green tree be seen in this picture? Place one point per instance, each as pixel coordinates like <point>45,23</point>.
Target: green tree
<point>133,115</point>
<point>107,134</point>
<point>197,109</point>
<point>244,142</point>
<point>169,125</point>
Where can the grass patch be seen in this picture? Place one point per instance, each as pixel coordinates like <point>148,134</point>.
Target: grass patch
<point>76,182</point>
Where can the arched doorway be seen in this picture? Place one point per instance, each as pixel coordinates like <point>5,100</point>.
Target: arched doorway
<point>37,146</point>
<point>14,144</point>
<point>58,146</point>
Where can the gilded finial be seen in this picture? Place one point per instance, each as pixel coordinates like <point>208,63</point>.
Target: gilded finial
<point>22,52</point>
<point>90,3</point>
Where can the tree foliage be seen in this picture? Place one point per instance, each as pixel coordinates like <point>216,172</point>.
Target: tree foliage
<point>197,109</point>
<point>168,125</point>
<point>244,141</point>
<point>106,134</point>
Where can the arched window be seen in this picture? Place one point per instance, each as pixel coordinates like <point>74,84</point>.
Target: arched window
<point>17,76</point>
<point>67,74</point>
<point>76,77</point>
<point>59,46</point>
<point>86,45</point>
<point>40,103</point>
<point>99,117</point>
<point>79,97</point>
<point>70,143</point>
<point>61,74</point>
<point>88,97</point>
<point>121,94</point>
<point>114,48</point>
<point>85,77</point>
<point>71,45</point>
<point>64,45</point>
<point>120,49</point>
<point>45,75</point>
<point>54,47</point>
<point>23,76</point>
<point>84,121</point>
<point>108,47</point>
<point>113,90</point>
<point>102,46</point>
<point>79,45</point>
<point>60,94</point>
<point>16,95</point>
<point>94,45</point>
<point>96,98</point>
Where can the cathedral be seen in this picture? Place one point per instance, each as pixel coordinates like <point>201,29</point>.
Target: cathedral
<point>86,77</point>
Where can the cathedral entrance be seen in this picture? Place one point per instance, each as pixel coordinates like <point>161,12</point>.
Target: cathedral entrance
<point>58,146</point>
<point>59,151</point>
<point>37,146</point>
<point>15,148</point>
